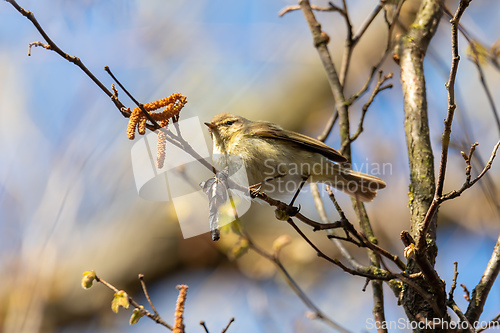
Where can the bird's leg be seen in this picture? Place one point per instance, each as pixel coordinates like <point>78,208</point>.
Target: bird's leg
<point>301,185</point>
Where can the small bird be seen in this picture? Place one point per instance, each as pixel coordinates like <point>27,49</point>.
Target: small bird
<point>282,159</point>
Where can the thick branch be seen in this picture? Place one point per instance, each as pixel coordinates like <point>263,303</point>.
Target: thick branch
<point>480,293</point>
<point>420,155</point>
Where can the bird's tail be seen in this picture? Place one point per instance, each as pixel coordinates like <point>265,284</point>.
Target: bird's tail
<point>357,184</point>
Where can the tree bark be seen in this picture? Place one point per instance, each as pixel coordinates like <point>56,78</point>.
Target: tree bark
<point>421,160</point>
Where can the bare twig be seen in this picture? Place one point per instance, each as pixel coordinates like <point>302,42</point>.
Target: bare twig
<point>468,182</point>
<point>454,281</point>
<point>293,284</point>
<point>227,326</point>
<point>466,292</point>
<point>40,44</point>
<point>363,240</point>
<point>331,8</point>
<point>451,302</point>
<point>75,60</point>
<point>366,24</point>
<point>292,211</point>
<point>141,106</point>
<point>331,233</point>
<point>145,290</point>
<point>479,68</point>
<point>370,272</point>
<point>450,87</point>
<point>202,323</point>
<point>387,50</point>
<point>348,48</point>
<point>378,88</point>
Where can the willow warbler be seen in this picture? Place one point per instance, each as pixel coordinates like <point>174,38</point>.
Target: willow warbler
<point>281,159</point>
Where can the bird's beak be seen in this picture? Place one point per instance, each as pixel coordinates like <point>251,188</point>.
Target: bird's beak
<point>211,125</point>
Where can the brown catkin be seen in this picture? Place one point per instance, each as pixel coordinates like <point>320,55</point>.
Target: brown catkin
<point>141,126</point>
<point>179,309</point>
<point>161,146</point>
<point>132,123</point>
<point>162,102</point>
<point>173,105</point>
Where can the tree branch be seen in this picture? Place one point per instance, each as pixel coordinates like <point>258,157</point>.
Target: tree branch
<point>468,182</point>
<point>450,87</point>
<point>136,305</point>
<point>481,291</point>
<point>320,41</point>
<point>293,284</point>
<point>75,60</point>
<point>422,185</point>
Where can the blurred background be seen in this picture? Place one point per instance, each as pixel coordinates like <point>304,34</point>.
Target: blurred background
<point>68,201</point>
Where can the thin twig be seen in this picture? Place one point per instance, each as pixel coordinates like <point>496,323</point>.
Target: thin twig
<point>202,323</point>
<point>320,207</point>
<point>144,289</point>
<point>293,284</point>
<point>475,60</point>
<point>451,302</point>
<point>140,105</point>
<point>292,211</point>
<point>228,324</point>
<point>40,44</point>
<point>466,292</point>
<point>368,272</point>
<point>75,60</point>
<point>348,48</point>
<point>330,8</point>
<point>469,183</point>
<point>387,50</point>
<point>450,87</point>
<point>363,240</point>
<point>453,281</point>
<point>366,24</point>
<point>378,88</point>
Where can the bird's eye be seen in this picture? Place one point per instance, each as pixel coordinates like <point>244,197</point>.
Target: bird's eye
<point>229,122</point>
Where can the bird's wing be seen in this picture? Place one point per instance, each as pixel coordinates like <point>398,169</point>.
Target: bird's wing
<point>272,131</point>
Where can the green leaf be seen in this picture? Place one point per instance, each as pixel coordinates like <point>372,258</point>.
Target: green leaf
<point>136,315</point>
<point>120,299</point>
